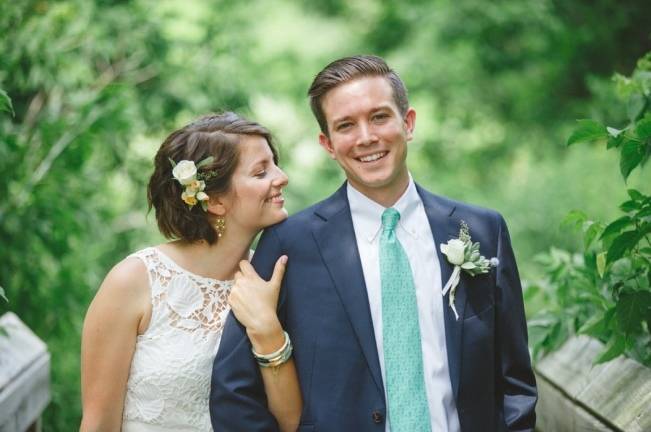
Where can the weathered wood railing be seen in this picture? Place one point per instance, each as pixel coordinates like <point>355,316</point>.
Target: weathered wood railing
<point>24,377</point>
<point>575,395</point>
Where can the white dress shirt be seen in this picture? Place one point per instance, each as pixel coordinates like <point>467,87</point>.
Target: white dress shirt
<point>414,233</point>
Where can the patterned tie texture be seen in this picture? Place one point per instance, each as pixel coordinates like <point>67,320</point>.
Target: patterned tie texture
<point>403,358</point>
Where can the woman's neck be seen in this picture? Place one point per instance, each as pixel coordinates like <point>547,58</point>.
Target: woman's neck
<point>217,261</point>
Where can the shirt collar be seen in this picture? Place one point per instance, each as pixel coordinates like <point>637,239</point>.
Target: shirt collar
<point>367,214</point>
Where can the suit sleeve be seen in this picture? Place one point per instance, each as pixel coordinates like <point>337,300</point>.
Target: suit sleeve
<point>517,383</point>
<point>237,398</point>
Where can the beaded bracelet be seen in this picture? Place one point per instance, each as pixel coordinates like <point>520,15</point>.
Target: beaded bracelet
<point>276,358</point>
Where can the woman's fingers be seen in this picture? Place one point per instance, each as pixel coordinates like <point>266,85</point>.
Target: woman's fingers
<point>247,269</point>
<point>279,271</point>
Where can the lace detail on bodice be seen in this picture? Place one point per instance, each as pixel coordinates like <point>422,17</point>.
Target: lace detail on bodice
<point>169,381</point>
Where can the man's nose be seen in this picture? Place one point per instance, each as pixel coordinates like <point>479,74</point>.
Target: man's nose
<point>366,135</point>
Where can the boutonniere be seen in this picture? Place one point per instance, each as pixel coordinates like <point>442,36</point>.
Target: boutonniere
<point>464,255</point>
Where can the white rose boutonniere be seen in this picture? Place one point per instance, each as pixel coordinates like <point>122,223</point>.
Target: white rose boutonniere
<point>464,255</point>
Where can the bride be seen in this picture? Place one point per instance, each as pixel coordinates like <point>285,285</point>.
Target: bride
<point>154,326</point>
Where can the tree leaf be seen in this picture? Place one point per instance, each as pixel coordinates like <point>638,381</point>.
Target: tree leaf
<point>626,241</point>
<point>643,128</point>
<point>595,326</point>
<point>632,154</point>
<point>591,233</point>
<point>614,141</point>
<point>635,195</point>
<point>629,206</point>
<point>613,132</point>
<point>601,264</point>
<point>616,226</point>
<point>587,131</point>
<point>5,103</point>
<point>574,218</point>
<point>2,294</point>
<point>614,348</point>
<point>632,309</point>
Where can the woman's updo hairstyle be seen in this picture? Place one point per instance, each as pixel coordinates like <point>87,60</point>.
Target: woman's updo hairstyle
<point>216,135</point>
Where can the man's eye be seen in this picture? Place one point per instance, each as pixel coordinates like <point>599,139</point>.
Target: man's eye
<point>379,117</point>
<point>343,126</point>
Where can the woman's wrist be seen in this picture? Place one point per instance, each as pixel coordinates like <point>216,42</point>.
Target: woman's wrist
<point>266,338</point>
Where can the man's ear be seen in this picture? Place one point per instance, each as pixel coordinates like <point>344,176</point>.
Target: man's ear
<point>326,144</point>
<point>410,123</point>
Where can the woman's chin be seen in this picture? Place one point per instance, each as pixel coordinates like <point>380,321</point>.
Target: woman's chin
<point>279,215</point>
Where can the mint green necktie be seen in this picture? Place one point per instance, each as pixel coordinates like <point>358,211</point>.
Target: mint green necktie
<point>403,357</point>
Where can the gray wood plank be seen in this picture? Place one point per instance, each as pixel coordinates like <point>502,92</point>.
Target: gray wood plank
<point>617,392</point>
<point>24,376</point>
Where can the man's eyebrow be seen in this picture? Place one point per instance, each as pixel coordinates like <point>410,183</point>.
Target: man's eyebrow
<point>340,119</point>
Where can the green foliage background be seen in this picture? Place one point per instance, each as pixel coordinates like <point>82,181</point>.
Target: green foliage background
<point>95,85</point>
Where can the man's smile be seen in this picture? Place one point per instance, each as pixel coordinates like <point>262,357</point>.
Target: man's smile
<point>372,157</point>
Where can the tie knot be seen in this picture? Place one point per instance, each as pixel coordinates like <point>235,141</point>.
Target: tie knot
<point>390,218</point>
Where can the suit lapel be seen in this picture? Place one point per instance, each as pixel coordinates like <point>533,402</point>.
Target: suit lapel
<point>337,243</point>
<point>443,228</point>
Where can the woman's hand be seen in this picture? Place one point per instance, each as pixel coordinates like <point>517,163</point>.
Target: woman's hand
<point>254,301</point>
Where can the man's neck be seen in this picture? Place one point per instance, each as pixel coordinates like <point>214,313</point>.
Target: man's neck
<point>387,196</point>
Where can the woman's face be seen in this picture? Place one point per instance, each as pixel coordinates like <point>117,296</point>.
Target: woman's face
<point>255,200</point>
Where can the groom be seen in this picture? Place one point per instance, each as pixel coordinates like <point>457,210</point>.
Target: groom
<point>377,346</point>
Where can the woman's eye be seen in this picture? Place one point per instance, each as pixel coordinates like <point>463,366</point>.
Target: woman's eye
<point>261,174</point>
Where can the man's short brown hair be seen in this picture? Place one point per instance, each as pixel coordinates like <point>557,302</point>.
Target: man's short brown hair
<point>348,69</point>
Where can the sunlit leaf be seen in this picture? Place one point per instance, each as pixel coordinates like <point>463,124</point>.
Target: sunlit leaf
<point>587,131</point>
<point>632,309</point>
<point>635,194</point>
<point>643,128</point>
<point>624,242</point>
<point>601,264</point>
<point>574,218</point>
<point>632,154</point>
<point>614,132</point>
<point>5,102</point>
<point>628,206</point>
<point>614,348</point>
<point>617,226</point>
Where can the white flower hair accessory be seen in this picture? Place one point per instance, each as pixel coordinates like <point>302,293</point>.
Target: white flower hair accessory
<point>193,181</point>
<point>464,255</point>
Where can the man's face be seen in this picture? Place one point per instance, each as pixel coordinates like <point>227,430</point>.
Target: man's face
<point>368,137</point>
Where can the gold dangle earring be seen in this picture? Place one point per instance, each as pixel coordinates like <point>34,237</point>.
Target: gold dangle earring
<point>220,225</point>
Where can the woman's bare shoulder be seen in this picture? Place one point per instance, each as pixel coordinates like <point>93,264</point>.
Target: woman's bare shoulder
<point>125,288</point>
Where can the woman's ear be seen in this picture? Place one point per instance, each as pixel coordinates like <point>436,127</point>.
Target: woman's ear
<point>217,206</point>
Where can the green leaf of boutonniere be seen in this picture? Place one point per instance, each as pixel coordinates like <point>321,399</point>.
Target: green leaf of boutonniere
<point>206,161</point>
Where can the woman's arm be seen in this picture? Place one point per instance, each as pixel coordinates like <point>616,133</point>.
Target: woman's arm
<point>254,302</point>
<point>113,321</point>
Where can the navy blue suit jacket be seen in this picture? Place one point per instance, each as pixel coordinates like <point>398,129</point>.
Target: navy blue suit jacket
<point>324,307</point>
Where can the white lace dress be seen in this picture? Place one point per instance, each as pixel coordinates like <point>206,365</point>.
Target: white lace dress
<point>169,381</point>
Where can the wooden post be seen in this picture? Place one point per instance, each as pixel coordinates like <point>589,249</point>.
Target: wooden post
<point>576,395</point>
<point>24,377</point>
